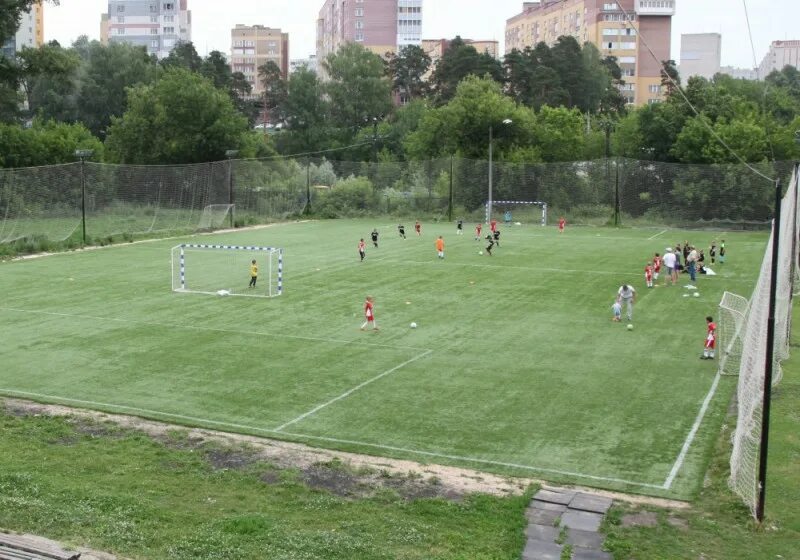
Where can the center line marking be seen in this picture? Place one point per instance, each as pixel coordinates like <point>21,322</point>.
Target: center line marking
<point>351,391</point>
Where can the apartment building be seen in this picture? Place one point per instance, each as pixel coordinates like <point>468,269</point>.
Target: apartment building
<point>781,53</point>
<point>613,26</point>
<point>30,32</point>
<point>382,26</point>
<point>309,63</point>
<point>157,25</point>
<point>435,48</point>
<point>253,46</point>
<point>701,55</point>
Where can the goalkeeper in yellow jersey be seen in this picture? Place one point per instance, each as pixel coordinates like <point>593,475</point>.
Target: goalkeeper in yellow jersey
<point>253,274</point>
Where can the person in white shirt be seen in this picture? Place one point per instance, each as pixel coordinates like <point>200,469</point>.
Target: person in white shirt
<point>669,263</point>
<point>627,295</point>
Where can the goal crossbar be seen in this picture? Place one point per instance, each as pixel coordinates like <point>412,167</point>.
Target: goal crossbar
<point>179,267</point>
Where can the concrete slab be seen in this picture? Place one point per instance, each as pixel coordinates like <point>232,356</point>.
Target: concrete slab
<point>581,520</point>
<point>585,539</point>
<point>587,554</point>
<point>587,502</point>
<point>560,508</point>
<point>546,533</point>
<point>541,550</point>
<point>542,516</point>
<point>555,497</point>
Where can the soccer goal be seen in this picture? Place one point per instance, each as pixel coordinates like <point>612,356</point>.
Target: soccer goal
<point>226,270</point>
<point>730,326</point>
<point>214,216</point>
<point>514,211</point>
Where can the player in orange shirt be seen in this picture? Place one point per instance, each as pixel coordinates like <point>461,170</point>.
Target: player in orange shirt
<point>561,224</point>
<point>478,229</point>
<point>418,227</point>
<point>648,275</point>
<point>656,266</point>
<point>440,247</point>
<point>369,314</point>
<point>362,249</point>
<point>711,340</point>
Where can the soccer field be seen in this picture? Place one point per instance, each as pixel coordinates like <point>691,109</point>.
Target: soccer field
<point>515,367</point>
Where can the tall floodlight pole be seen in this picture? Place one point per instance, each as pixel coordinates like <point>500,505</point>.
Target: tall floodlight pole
<point>491,170</point>
<point>83,155</point>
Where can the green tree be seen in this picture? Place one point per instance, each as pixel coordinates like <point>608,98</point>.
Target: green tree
<point>10,14</point>
<point>49,80</point>
<point>358,88</point>
<point>459,61</point>
<point>407,71</point>
<point>44,143</point>
<point>670,78</point>
<point>305,112</point>
<point>275,90</point>
<point>184,55</point>
<point>182,118</point>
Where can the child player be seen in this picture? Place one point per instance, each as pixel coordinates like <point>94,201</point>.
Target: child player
<point>490,239</point>
<point>712,252</point>
<point>440,247</point>
<point>561,224</point>
<point>362,249</point>
<point>478,229</point>
<point>253,273</point>
<point>711,340</point>
<point>418,227</point>
<point>617,310</point>
<point>401,229</point>
<point>648,275</point>
<point>656,266</point>
<point>493,225</point>
<point>374,235</point>
<point>497,237</point>
<point>369,314</point>
<point>460,227</point>
<point>721,251</point>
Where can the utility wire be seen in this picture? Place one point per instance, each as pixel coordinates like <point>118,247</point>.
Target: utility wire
<point>758,77</point>
<point>677,86</point>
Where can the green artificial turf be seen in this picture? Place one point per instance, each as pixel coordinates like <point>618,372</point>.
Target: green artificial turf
<point>515,367</point>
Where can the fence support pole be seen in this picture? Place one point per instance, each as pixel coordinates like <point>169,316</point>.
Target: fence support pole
<point>617,213</point>
<point>769,358</point>
<point>450,200</point>
<point>230,154</point>
<point>308,186</point>
<point>83,200</point>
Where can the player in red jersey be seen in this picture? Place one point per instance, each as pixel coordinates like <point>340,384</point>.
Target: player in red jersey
<point>369,314</point>
<point>418,227</point>
<point>711,340</point>
<point>478,229</point>
<point>561,224</point>
<point>656,266</point>
<point>493,225</point>
<point>648,275</point>
<point>362,249</point>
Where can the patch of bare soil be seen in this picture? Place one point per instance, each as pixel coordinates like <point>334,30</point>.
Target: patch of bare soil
<point>640,519</point>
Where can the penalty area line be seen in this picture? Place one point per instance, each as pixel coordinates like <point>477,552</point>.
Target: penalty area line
<point>676,467</point>
<point>658,234</point>
<point>351,391</point>
<point>204,421</point>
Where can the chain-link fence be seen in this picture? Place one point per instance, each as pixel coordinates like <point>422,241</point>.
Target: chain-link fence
<point>64,201</point>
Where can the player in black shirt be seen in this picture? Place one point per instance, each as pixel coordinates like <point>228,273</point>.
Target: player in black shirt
<point>490,239</point>
<point>401,229</point>
<point>460,227</point>
<point>497,237</point>
<point>375,238</point>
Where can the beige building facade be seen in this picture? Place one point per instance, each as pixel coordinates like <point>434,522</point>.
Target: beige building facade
<point>701,55</point>
<point>253,46</point>
<point>781,53</point>
<point>613,27</point>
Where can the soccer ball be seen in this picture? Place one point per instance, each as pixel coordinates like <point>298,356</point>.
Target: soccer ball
<point>697,294</point>
<point>480,252</point>
<point>413,325</point>
<point>630,326</point>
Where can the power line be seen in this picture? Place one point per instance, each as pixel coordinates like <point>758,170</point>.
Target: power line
<point>758,76</point>
<point>677,86</point>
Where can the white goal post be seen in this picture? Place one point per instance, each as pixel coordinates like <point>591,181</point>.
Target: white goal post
<point>226,270</point>
<point>522,203</point>
<point>730,325</point>
<point>214,216</point>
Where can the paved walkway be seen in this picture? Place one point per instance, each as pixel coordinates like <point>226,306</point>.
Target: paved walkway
<point>565,517</point>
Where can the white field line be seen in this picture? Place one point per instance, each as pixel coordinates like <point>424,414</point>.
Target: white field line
<point>657,235</point>
<point>530,268</point>
<point>351,391</point>
<point>203,421</point>
<point>210,329</point>
<point>692,433</point>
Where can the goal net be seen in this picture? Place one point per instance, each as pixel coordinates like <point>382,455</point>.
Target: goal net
<point>752,375</point>
<point>513,211</point>
<point>227,270</point>
<point>730,323</point>
<point>214,216</point>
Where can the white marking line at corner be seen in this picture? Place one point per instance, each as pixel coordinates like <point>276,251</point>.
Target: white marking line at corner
<point>351,391</point>
<point>202,421</point>
<point>692,433</point>
<point>209,329</point>
<point>658,234</point>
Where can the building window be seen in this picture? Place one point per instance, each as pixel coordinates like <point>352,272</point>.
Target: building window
<point>154,43</point>
<point>153,8</point>
<point>120,19</point>
<point>359,36</point>
<point>360,24</point>
<point>169,30</point>
<point>153,19</point>
<point>120,8</point>
<point>169,19</point>
<point>654,88</point>
<point>168,6</point>
<point>359,12</point>
<point>153,31</point>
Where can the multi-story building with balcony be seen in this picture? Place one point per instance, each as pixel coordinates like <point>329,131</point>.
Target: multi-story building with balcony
<point>614,27</point>
<point>252,46</point>
<point>781,53</point>
<point>382,26</point>
<point>157,25</point>
<point>30,32</point>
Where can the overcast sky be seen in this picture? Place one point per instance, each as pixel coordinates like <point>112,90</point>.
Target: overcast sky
<point>476,19</point>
